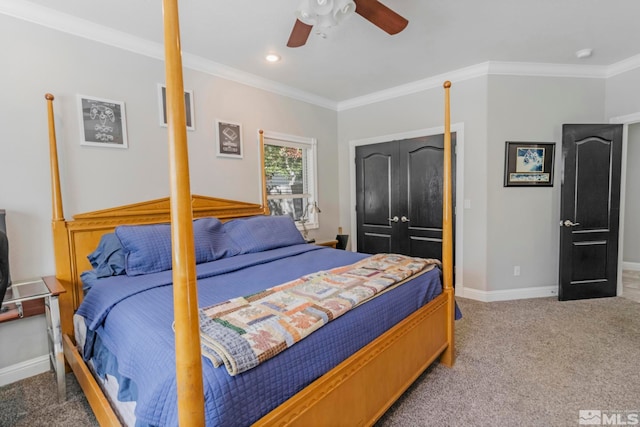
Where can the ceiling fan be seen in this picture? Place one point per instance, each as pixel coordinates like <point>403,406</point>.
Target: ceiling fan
<point>328,13</point>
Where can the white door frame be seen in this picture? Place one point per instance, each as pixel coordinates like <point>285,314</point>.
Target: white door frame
<point>626,120</point>
<point>458,128</point>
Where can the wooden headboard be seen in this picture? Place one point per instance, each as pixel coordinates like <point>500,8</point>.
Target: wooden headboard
<point>75,239</point>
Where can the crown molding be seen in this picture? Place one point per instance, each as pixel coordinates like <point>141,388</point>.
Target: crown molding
<point>546,70</point>
<point>198,63</point>
<point>75,26</point>
<point>479,70</point>
<point>623,66</point>
<point>69,24</point>
<point>459,75</point>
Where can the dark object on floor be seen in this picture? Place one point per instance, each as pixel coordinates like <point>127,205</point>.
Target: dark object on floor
<point>342,239</point>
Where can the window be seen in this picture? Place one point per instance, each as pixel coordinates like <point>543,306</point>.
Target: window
<point>290,173</point>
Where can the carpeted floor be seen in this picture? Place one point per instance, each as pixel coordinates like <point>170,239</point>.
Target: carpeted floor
<point>33,402</point>
<point>530,362</point>
<point>533,362</point>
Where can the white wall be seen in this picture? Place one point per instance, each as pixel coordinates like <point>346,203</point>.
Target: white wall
<point>523,222</point>
<point>623,100</point>
<point>623,97</point>
<point>40,60</point>
<point>631,251</point>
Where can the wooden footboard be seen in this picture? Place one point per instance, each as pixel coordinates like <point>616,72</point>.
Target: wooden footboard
<point>361,389</point>
<point>356,392</point>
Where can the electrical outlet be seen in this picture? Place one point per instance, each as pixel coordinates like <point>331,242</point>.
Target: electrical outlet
<point>516,270</point>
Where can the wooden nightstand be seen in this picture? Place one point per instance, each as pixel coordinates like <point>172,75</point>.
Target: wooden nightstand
<point>44,289</point>
<point>329,243</point>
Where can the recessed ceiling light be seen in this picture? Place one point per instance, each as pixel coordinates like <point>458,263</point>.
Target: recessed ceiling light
<point>584,53</point>
<point>272,57</point>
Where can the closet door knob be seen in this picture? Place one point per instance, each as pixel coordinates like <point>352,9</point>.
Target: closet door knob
<point>394,219</point>
<point>404,219</point>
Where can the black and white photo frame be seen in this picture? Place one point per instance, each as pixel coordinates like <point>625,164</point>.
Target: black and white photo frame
<point>188,106</point>
<point>228,139</point>
<point>103,122</point>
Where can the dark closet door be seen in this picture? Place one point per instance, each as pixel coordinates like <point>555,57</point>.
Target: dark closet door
<point>377,197</point>
<point>399,196</point>
<point>590,210</point>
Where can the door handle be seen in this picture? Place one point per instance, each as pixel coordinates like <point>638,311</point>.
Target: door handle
<point>404,219</point>
<point>568,223</point>
<point>394,219</point>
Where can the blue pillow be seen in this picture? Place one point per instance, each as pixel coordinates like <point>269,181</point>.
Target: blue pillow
<point>148,247</point>
<point>108,258</point>
<point>261,233</point>
<point>88,279</point>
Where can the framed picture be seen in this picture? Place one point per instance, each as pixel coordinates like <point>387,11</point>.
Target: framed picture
<point>228,139</point>
<point>529,164</point>
<point>188,106</point>
<point>103,122</point>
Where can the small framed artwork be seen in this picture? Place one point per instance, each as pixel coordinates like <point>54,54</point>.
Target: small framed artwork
<point>188,106</point>
<point>229,139</point>
<point>529,164</point>
<point>103,122</point>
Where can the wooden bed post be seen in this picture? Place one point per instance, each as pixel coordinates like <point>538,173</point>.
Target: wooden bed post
<point>185,297</point>
<point>68,300</point>
<point>448,357</point>
<point>56,194</point>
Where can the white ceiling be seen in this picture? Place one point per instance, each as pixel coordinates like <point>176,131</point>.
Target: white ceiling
<point>357,58</point>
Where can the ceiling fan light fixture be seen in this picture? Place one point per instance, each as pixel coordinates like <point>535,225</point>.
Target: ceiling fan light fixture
<point>326,21</point>
<point>343,9</point>
<point>321,7</point>
<point>328,13</point>
<point>307,16</point>
<point>325,13</point>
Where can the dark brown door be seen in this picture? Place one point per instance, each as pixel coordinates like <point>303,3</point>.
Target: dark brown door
<point>589,211</point>
<point>399,196</point>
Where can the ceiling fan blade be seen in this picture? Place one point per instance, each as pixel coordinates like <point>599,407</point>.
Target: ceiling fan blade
<point>381,16</point>
<point>299,34</point>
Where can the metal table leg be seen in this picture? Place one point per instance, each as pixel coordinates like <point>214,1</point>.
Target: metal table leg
<point>56,355</point>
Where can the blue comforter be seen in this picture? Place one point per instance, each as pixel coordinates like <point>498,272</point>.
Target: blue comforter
<point>146,354</point>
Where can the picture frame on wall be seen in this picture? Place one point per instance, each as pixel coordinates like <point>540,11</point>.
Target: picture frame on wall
<point>228,139</point>
<point>188,106</point>
<point>529,164</point>
<point>103,122</point>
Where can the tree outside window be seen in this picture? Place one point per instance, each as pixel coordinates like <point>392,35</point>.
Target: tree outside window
<point>289,173</point>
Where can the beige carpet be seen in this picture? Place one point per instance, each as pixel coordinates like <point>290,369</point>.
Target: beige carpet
<point>519,363</point>
<point>33,402</point>
<point>531,362</point>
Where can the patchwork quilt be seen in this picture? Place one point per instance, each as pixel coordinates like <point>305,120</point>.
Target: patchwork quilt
<point>243,332</point>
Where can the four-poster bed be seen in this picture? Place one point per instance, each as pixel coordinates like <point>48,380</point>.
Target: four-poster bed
<point>350,393</point>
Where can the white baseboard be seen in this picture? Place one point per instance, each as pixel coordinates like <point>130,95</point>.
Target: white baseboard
<point>25,369</point>
<point>634,266</point>
<point>506,295</point>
